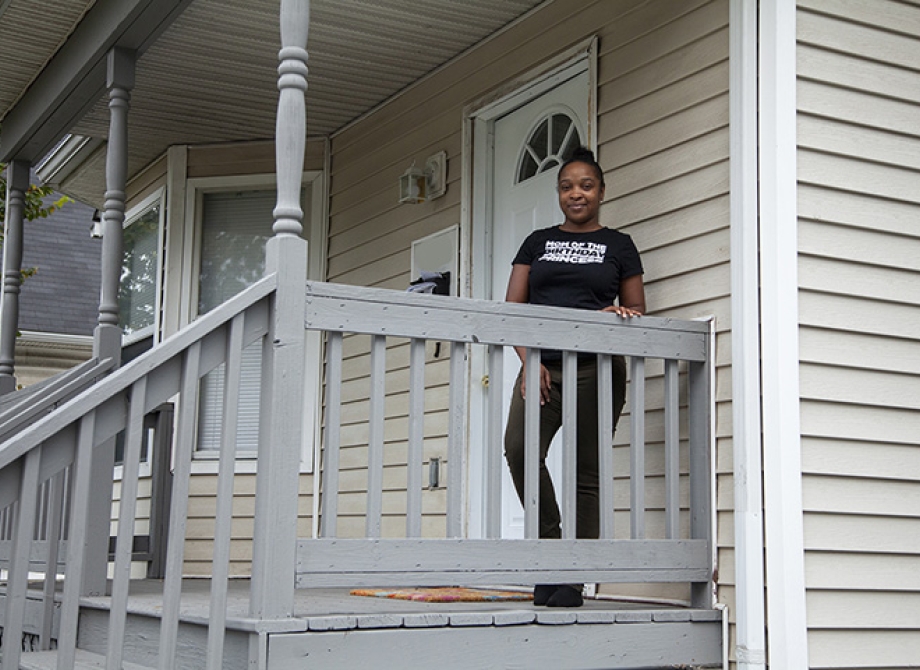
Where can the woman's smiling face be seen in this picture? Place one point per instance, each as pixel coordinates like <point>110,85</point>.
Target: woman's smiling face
<point>580,195</point>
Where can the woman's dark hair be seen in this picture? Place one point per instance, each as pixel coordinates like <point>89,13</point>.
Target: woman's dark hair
<point>583,155</point>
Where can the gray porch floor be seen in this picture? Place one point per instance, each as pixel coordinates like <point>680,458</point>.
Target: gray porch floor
<point>336,609</point>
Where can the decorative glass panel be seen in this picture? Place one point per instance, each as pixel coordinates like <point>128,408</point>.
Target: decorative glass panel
<point>549,145</point>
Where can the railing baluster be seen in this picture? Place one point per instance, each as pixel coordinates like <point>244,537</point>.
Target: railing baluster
<point>495,442</point>
<point>569,443</point>
<point>55,521</point>
<point>333,432</point>
<point>220,567</point>
<point>18,579</point>
<point>375,436</point>
<point>605,444</point>
<point>637,447</point>
<point>134,437</point>
<point>456,448</point>
<point>178,513</point>
<point>699,397</point>
<point>671,450</point>
<point>532,446</point>
<point>415,453</point>
<point>76,541</point>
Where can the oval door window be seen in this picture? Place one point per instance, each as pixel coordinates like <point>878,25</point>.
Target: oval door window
<point>549,145</point>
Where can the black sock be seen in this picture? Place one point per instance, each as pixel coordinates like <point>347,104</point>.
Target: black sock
<point>566,596</point>
<point>543,592</point>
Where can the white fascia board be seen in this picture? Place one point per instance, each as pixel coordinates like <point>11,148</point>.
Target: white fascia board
<point>74,79</point>
<point>779,324</point>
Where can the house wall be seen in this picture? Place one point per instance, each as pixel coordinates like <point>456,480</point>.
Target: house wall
<point>859,268</point>
<point>662,131</point>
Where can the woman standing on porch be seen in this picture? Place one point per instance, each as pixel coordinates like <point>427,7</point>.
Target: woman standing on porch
<point>584,265</point>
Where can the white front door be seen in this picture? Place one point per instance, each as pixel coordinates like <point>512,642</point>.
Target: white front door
<point>529,143</point>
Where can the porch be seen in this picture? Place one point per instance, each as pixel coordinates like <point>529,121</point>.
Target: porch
<point>331,628</point>
<point>288,610</point>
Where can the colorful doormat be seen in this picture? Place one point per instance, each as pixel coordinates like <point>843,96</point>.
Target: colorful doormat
<point>444,594</point>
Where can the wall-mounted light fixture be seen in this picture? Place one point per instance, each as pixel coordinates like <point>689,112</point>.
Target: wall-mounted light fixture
<point>418,185</point>
<point>95,229</point>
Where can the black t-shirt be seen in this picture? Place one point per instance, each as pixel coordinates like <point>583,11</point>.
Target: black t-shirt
<point>580,270</point>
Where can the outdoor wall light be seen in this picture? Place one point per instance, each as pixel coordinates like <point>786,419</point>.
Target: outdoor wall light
<point>418,185</point>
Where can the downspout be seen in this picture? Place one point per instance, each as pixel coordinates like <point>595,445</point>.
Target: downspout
<point>750,644</point>
<point>779,323</point>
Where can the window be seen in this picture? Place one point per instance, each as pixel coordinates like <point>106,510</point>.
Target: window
<point>226,224</point>
<point>549,145</point>
<point>235,226</point>
<point>140,270</point>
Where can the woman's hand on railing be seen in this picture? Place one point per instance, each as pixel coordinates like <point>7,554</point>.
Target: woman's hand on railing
<point>625,312</point>
<point>545,383</point>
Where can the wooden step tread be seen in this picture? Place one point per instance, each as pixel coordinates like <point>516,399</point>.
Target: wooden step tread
<point>47,660</point>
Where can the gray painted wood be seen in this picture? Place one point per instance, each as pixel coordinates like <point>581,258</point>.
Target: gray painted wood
<point>435,317</point>
<point>119,82</point>
<point>416,437</point>
<point>513,641</point>
<point>54,527</point>
<point>17,184</point>
<point>637,447</point>
<point>672,449</point>
<point>127,512</point>
<point>375,437</point>
<point>605,445</point>
<point>701,467</point>
<point>456,441</point>
<point>222,523</point>
<point>185,437</point>
<point>494,461</point>
<point>280,439</point>
<point>531,501</point>
<point>63,387</point>
<point>433,562</point>
<point>76,556</point>
<point>568,490</point>
<point>332,434</point>
<point>17,581</point>
<point>159,363</point>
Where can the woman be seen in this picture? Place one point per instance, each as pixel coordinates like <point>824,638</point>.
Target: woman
<point>584,265</point>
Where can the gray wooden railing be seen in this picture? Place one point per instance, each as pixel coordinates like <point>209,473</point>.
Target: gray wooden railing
<point>67,443</point>
<point>618,556</point>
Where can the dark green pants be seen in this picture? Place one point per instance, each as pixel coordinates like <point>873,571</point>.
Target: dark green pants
<point>587,479</point>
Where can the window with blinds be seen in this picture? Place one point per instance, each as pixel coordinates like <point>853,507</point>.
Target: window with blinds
<point>235,226</point>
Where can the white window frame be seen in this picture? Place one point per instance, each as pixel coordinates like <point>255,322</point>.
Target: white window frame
<point>315,229</point>
<point>156,197</point>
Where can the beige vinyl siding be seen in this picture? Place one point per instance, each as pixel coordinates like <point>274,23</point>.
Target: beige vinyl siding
<point>859,268</point>
<point>662,136</point>
<point>663,141</point>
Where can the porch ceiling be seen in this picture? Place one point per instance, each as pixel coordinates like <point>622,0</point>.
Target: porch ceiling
<point>211,75</point>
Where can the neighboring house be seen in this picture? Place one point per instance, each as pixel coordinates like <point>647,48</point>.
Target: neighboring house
<point>59,304</point>
<point>763,156</point>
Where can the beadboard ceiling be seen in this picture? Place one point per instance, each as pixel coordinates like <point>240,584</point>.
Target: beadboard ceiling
<point>211,76</point>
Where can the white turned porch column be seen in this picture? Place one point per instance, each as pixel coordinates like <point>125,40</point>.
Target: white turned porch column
<point>275,537</point>
<point>17,179</point>
<point>107,336</point>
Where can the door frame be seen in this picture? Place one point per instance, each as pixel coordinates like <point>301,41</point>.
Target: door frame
<point>476,221</point>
